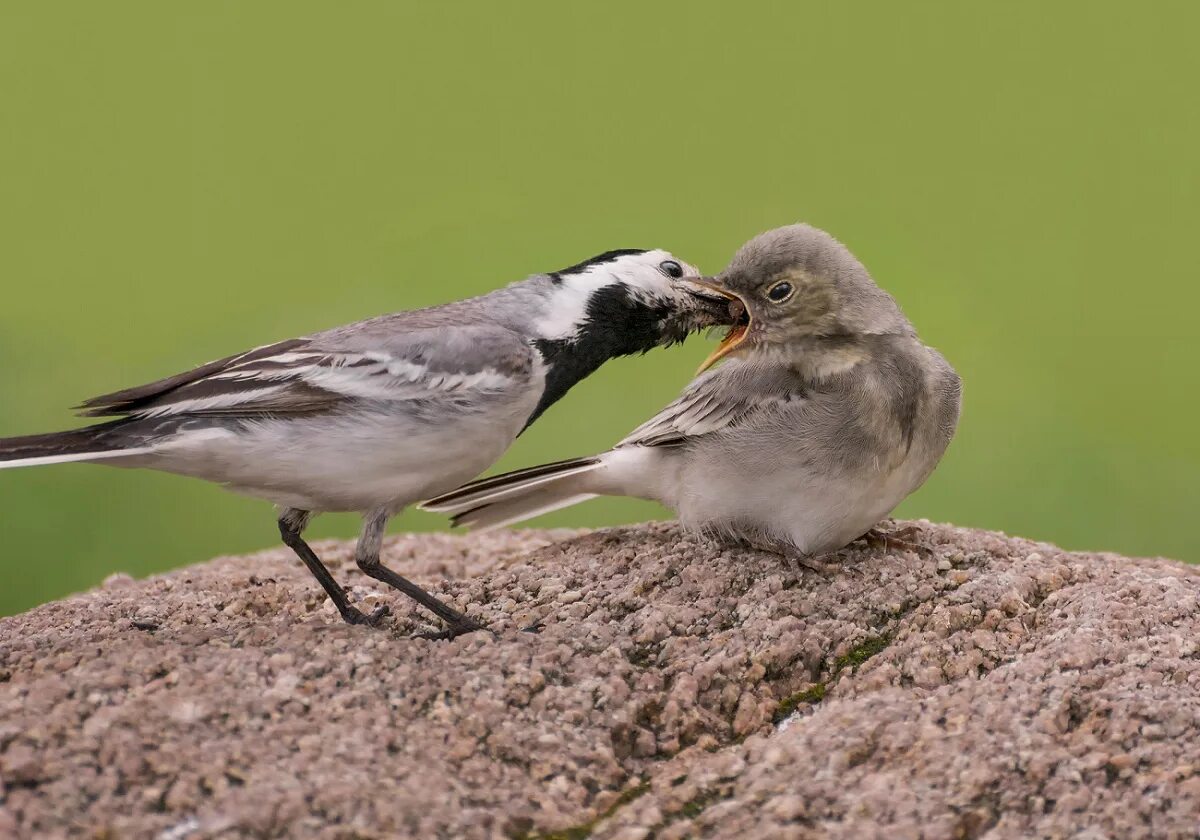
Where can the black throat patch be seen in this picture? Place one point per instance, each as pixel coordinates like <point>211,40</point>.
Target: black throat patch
<point>616,323</point>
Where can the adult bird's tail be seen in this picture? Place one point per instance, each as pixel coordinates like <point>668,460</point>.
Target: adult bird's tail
<point>504,499</point>
<point>94,443</point>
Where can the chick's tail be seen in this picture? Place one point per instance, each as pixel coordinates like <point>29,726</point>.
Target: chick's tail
<point>637,471</point>
<point>512,497</point>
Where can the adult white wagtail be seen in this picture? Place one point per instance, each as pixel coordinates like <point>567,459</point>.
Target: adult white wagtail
<point>827,412</point>
<point>373,416</point>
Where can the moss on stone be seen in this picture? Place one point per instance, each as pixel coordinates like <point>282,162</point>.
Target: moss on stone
<point>695,806</point>
<point>860,654</point>
<point>815,693</point>
<point>584,830</point>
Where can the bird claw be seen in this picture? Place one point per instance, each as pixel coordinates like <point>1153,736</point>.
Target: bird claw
<point>814,565</point>
<point>788,552</point>
<point>898,539</point>
<point>453,631</point>
<point>356,616</point>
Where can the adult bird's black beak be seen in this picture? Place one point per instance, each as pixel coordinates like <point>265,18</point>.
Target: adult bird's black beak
<point>737,317</point>
<point>706,291</point>
<point>723,308</point>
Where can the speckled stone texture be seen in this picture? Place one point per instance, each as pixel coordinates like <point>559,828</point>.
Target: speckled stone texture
<point>986,686</point>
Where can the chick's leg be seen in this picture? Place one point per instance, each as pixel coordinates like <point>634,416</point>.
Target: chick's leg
<point>900,538</point>
<point>757,541</point>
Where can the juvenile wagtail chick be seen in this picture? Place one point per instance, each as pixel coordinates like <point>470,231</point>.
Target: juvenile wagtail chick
<point>373,416</point>
<point>827,412</point>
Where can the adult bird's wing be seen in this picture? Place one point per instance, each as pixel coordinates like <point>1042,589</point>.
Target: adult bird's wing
<point>724,397</point>
<point>463,365</point>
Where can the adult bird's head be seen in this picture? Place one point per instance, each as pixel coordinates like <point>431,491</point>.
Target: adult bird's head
<point>630,301</point>
<point>617,304</point>
<point>799,285</point>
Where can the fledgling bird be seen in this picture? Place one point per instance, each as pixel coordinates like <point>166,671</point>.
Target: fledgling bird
<point>827,411</point>
<point>373,416</point>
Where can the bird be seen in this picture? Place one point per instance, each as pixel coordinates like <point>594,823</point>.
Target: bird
<point>375,415</point>
<point>819,411</point>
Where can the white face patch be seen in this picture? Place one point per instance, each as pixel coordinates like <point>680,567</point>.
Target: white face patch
<point>566,308</point>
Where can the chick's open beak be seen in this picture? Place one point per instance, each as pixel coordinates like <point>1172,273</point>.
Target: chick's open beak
<point>738,318</point>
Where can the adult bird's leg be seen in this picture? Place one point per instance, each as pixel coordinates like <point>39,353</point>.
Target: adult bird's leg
<point>292,523</point>
<point>367,556</point>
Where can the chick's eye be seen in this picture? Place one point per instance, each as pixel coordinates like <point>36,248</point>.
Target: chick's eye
<point>780,292</point>
<point>671,268</point>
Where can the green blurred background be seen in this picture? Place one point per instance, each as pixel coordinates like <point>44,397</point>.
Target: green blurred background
<point>182,181</point>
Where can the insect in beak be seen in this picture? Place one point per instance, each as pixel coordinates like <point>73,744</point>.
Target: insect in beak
<point>739,314</point>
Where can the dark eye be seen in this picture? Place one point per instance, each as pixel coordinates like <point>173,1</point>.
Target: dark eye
<point>780,292</point>
<point>671,268</point>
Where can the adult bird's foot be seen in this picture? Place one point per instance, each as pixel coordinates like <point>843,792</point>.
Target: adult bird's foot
<point>353,615</point>
<point>453,631</point>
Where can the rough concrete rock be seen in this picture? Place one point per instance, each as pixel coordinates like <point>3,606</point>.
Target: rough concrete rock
<point>985,687</point>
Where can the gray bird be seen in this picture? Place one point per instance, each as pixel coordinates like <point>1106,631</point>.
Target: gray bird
<point>373,416</point>
<point>827,412</point>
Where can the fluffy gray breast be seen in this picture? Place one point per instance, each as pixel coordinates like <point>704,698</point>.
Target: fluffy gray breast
<point>866,418</point>
<point>891,408</point>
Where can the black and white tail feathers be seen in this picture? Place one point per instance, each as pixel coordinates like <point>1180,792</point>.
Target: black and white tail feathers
<point>152,412</point>
<point>505,499</point>
<point>94,443</point>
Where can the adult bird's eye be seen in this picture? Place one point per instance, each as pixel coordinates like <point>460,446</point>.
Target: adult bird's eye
<point>671,268</point>
<point>780,292</point>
